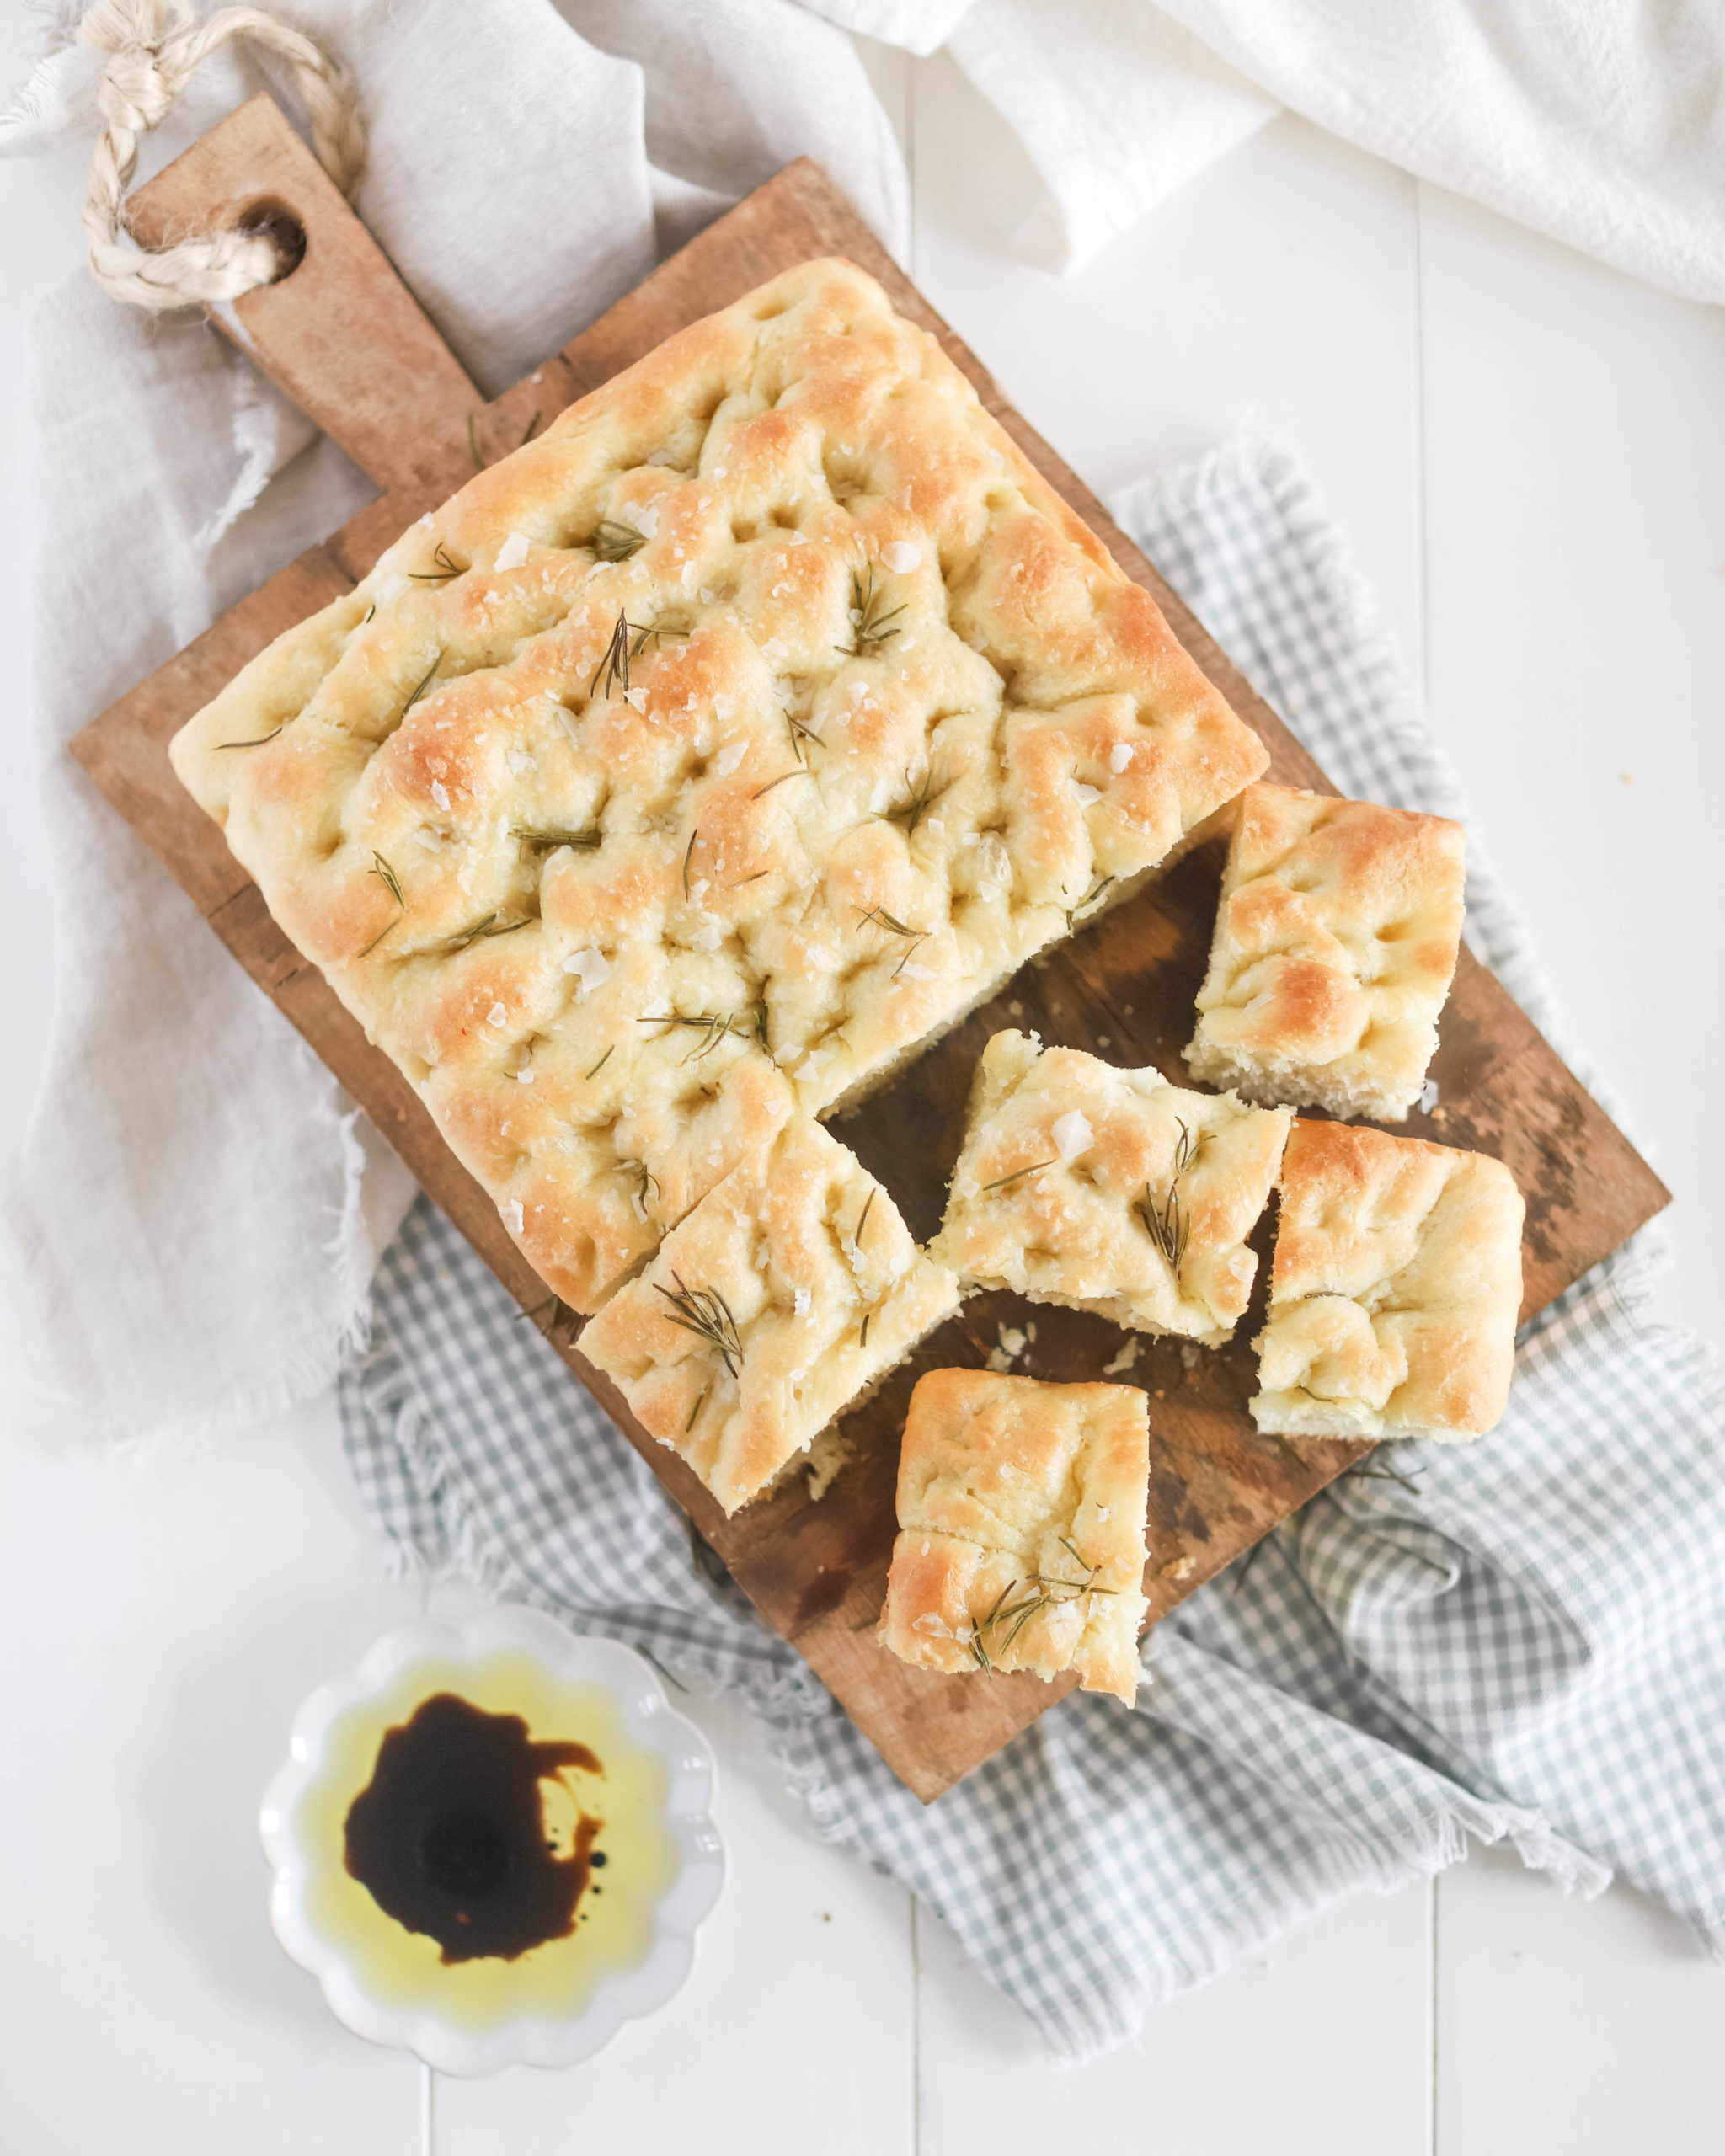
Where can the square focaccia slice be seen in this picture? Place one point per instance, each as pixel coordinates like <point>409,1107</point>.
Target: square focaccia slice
<point>790,1289</point>
<point>1110,1190</point>
<point>1394,1292</point>
<point>597,1102</point>
<point>1335,943</point>
<point>1021,1528</point>
<point>770,678</point>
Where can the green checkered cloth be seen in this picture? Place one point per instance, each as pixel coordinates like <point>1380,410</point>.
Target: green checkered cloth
<point>1519,1643</point>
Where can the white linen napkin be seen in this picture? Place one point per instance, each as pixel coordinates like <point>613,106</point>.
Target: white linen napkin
<point>1599,123</point>
<point>198,1208</point>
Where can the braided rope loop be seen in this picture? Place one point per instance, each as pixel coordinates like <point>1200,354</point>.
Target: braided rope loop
<point>154,48</point>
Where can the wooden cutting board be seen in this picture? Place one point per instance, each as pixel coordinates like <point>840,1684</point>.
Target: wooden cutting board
<point>342,336</point>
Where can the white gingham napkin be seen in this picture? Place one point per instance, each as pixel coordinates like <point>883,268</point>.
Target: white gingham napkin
<point>1518,1640</point>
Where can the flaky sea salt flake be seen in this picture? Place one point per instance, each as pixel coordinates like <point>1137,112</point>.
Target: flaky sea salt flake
<point>1072,1135</point>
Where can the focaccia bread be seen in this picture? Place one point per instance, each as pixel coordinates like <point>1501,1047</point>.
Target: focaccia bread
<point>791,1287</point>
<point>1394,1292</point>
<point>1021,1528</point>
<point>745,728</point>
<point>1335,944</point>
<point>1110,1190</point>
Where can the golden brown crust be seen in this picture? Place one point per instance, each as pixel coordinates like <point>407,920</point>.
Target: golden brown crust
<point>1021,1512</point>
<point>1394,1289</point>
<point>1336,940</point>
<point>863,766</point>
<point>1138,1195</point>
<point>824,1291</point>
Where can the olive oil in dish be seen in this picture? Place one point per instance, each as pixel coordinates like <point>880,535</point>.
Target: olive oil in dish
<point>489,1841</point>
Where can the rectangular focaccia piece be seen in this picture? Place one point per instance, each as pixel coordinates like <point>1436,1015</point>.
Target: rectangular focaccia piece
<point>1110,1190</point>
<point>1021,1528</point>
<point>792,1288</point>
<point>746,728</point>
<point>1394,1289</point>
<point>1335,943</point>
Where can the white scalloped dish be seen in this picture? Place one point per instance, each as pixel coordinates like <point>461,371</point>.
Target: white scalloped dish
<point>623,1785</point>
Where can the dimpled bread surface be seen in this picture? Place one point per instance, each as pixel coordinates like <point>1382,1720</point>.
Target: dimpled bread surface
<point>1021,1516</point>
<point>1110,1190</point>
<point>696,763</point>
<point>1336,941</point>
<point>793,1287</point>
<point>1394,1290</point>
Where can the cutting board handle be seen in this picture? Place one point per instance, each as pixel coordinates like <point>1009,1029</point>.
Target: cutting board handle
<point>338,332</point>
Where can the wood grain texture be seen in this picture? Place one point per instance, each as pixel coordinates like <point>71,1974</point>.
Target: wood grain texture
<point>1123,989</point>
<point>344,337</point>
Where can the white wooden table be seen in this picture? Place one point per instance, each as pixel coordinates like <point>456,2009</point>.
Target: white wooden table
<point>1528,452</point>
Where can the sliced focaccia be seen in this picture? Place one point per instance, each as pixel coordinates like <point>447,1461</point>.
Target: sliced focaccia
<point>1021,1528</point>
<point>790,1289</point>
<point>1394,1292</point>
<point>1110,1190</point>
<point>1336,941</point>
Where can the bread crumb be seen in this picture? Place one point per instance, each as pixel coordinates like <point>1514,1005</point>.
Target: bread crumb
<point>829,1455</point>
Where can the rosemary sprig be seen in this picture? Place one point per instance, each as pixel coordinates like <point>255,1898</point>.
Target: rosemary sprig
<point>862,1218</point>
<point>863,1339</point>
<point>1169,1225</point>
<point>1046,1591</point>
<point>878,917</point>
<point>868,624</point>
<point>422,685</point>
<point>688,856</point>
<point>645,1181</point>
<point>380,867</point>
<point>918,802</point>
<point>714,1025</point>
<point>1000,1182</point>
<point>705,1312</point>
<point>979,1632</point>
<point>799,772</point>
<point>654,632</point>
<point>560,1313</point>
<point>447,567</point>
<point>600,1064</point>
<point>1377,1472</point>
<point>488,925</point>
<point>257,743</point>
<point>584,841</point>
<point>799,733</point>
<point>368,613</point>
<point>614,667</point>
<point>1088,900</point>
<point>615,540</point>
<point>881,918</point>
<point>700,1402</point>
<point>392,882</point>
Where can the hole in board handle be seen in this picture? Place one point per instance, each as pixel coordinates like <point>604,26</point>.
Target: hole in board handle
<point>282,228</point>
